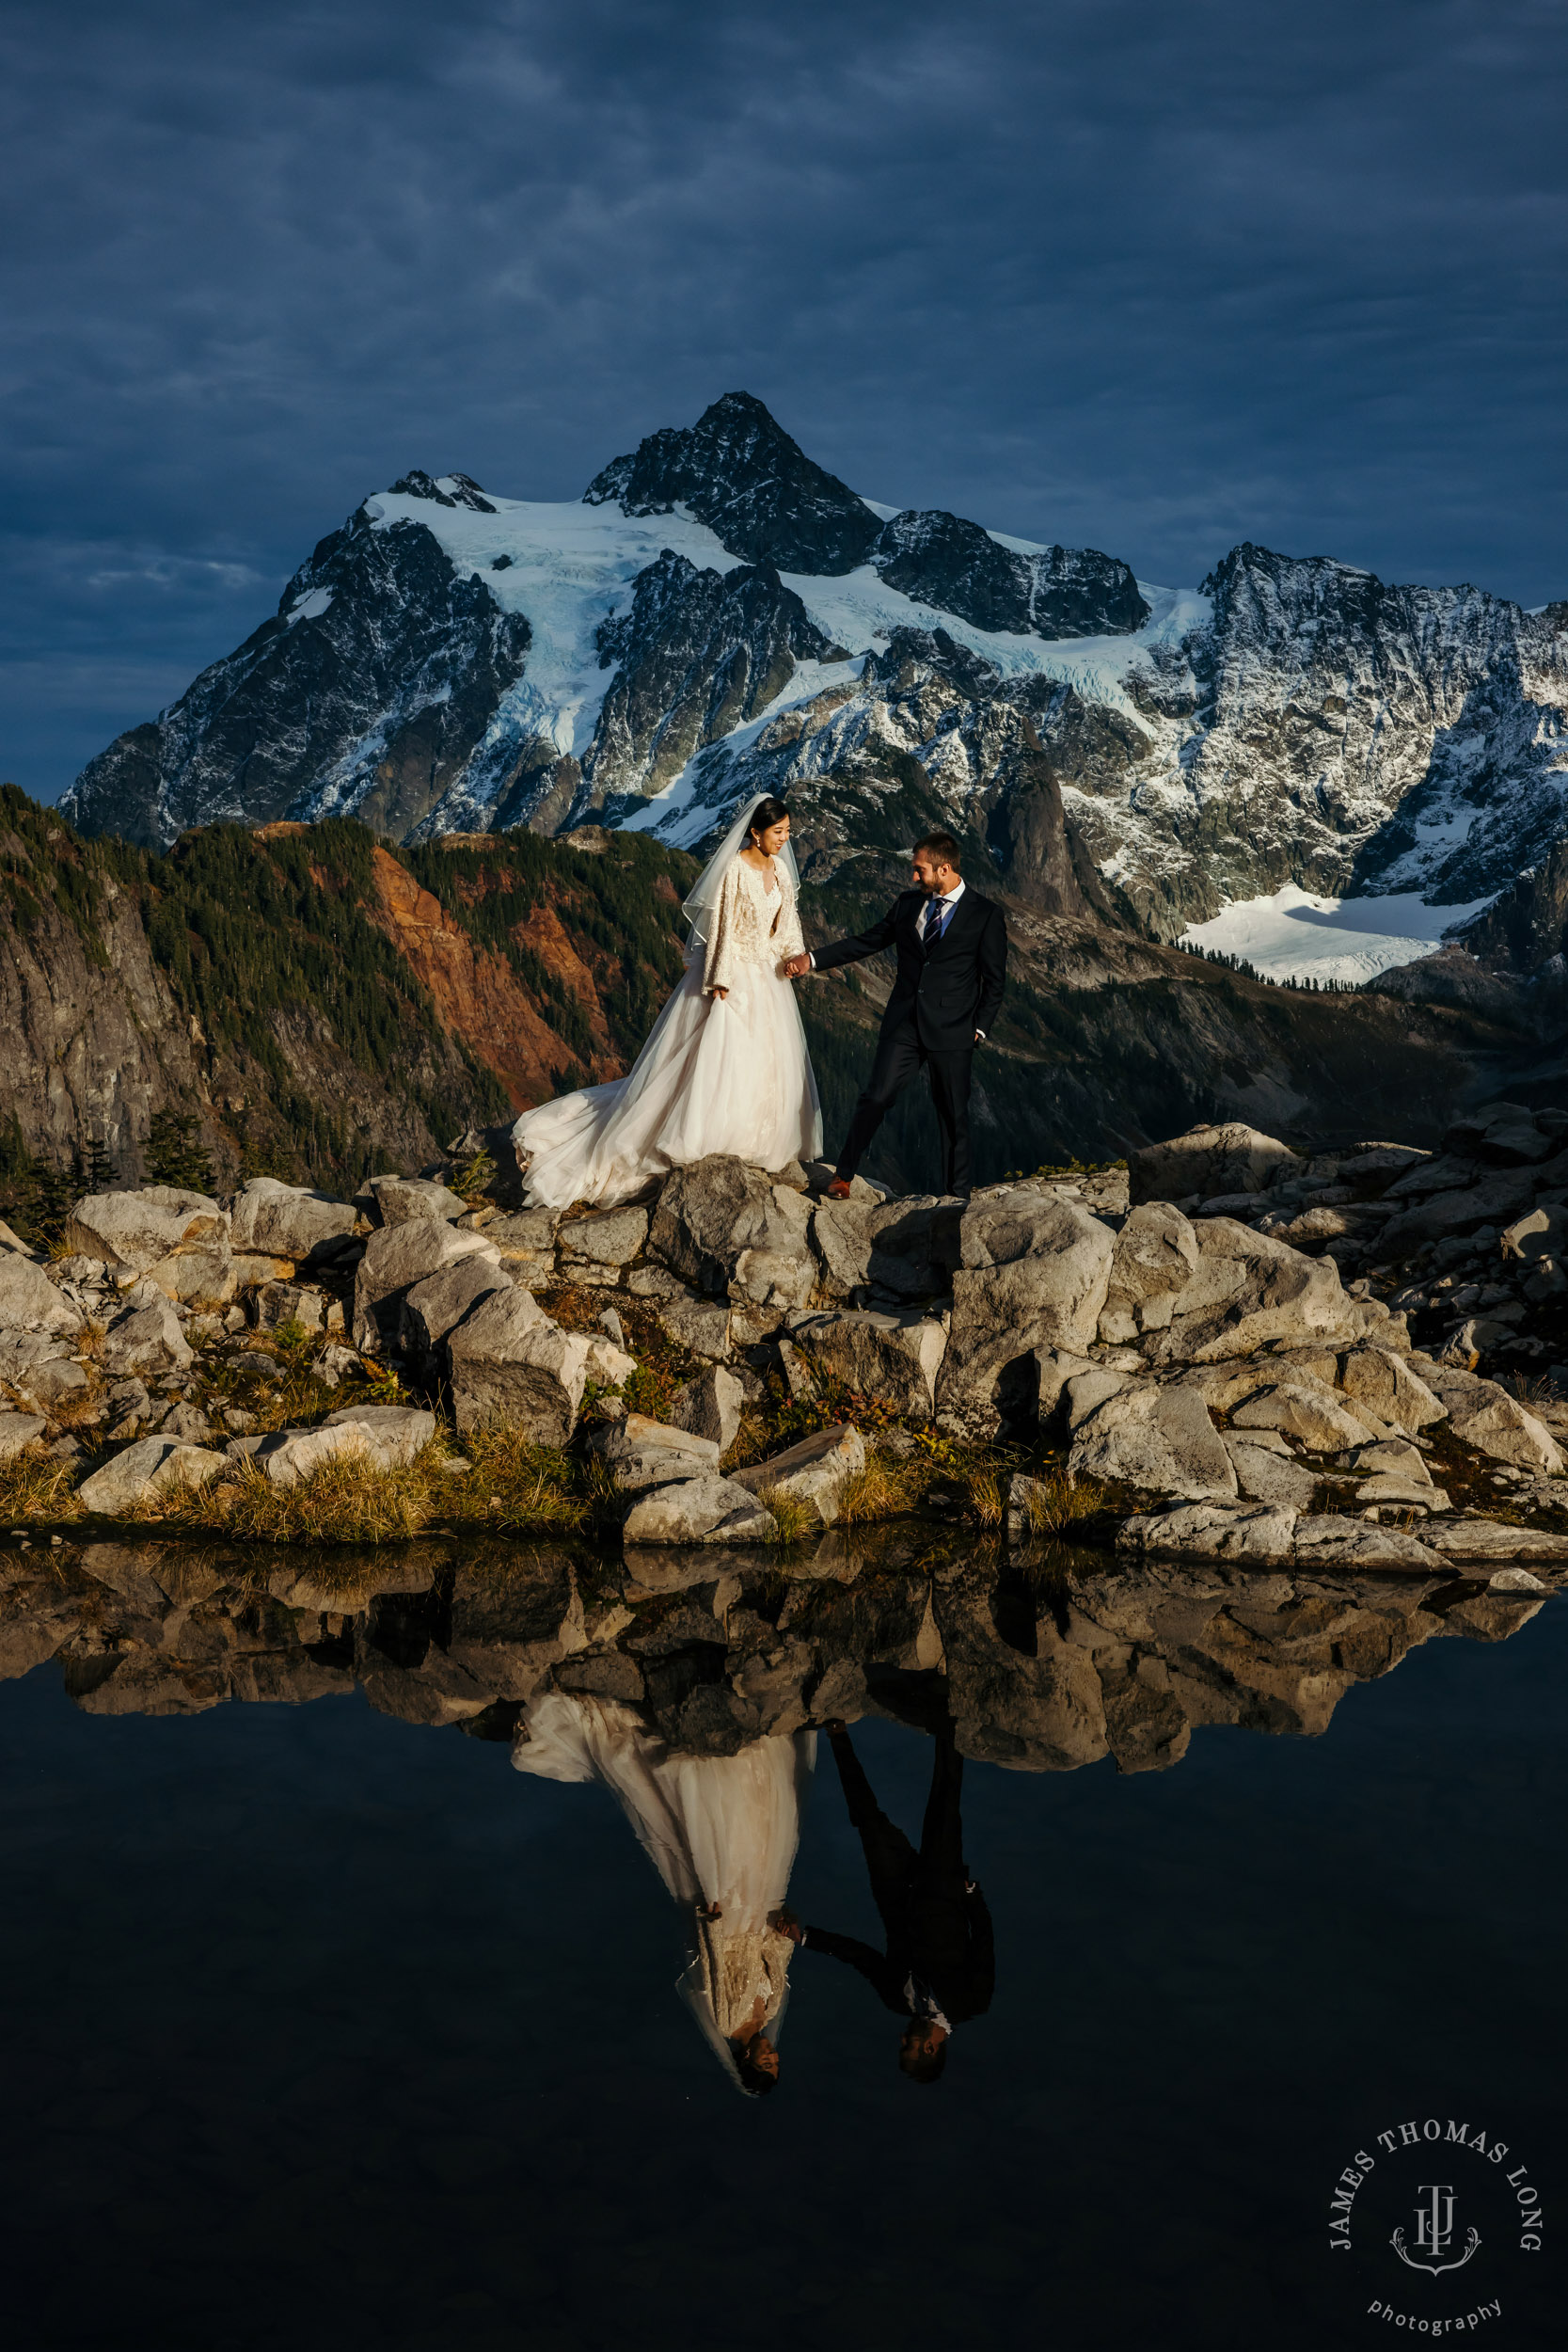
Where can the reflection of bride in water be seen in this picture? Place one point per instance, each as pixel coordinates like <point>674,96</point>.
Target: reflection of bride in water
<point>722,1832</point>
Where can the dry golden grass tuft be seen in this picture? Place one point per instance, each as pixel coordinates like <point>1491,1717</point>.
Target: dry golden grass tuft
<point>880,1491</point>
<point>348,1499</point>
<point>82,1409</point>
<point>1058,1501</point>
<point>513,1484</point>
<point>793,1520</point>
<point>35,1487</point>
<point>984,1497</point>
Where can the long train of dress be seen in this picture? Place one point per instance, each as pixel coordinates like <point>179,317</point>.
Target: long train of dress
<point>718,1073</point>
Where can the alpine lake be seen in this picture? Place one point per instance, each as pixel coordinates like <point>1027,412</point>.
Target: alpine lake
<point>326,2027</point>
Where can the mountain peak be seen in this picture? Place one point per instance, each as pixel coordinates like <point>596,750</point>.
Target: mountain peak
<point>739,473</point>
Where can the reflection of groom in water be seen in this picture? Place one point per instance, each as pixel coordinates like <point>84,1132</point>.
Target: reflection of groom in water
<point>939,1968</point>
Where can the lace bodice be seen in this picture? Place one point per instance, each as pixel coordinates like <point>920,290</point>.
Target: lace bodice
<point>737,1965</point>
<point>752,925</point>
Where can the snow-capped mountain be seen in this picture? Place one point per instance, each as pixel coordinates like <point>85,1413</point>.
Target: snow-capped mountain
<point>719,616</point>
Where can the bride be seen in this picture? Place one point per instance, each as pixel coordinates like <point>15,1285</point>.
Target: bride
<point>725,1067</point>
<point>722,1833</point>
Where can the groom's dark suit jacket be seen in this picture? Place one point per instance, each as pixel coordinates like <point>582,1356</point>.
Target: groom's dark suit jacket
<point>950,990</point>
<point>948,1944</point>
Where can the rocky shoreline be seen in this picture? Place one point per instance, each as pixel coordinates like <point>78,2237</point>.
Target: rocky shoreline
<point>1205,1354</point>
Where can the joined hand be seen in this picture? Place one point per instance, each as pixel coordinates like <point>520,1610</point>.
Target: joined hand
<point>797,968</point>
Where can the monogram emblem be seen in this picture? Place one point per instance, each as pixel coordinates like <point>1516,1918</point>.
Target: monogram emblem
<point>1435,2232</point>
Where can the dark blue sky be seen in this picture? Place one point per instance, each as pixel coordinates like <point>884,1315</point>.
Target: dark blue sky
<point>1148,275</point>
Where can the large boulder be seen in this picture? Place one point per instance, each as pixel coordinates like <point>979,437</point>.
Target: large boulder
<point>438,1305</point>
<point>527,1244</point>
<point>510,1365</point>
<point>1250,1292</point>
<point>29,1300</point>
<point>891,1357</point>
<point>811,1472</point>
<point>133,1232</point>
<point>906,1248</point>
<point>406,1199</point>
<point>1264,1475</point>
<point>605,1242</point>
<point>140,1472</point>
<point>641,1453</point>
<point>275,1306</point>
<point>146,1338</point>
<point>1490,1542</point>
<point>1350,1546</point>
<point>710,1407</point>
<point>1384,1382</point>
<point>730,1233</point>
<point>1311,1415</point>
<point>1503,1133</point>
<point>1543,1233</point>
<point>1496,1423</point>
<point>1157,1438</point>
<point>706,1510</point>
<point>1034,1274</point>
<point>40,1368</point>
<point>397,1258</point>
<point>1156,1255</point>
<point>1498,1199</point>
<point>1207,1161</point>
<point>387,1436</point>
<point>1253,1534</point>
<point>509,1628</point>
<point>701,1326</point>
<point>276,1220</point>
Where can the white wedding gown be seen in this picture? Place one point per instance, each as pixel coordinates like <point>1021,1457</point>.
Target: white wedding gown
<point>718,1829</point>
<point>728,1073</point>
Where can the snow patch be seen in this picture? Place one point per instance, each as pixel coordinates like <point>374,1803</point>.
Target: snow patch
<point>1296,935</point>
<point>569,568</point>
<point>860,611</point>
<point>683,814</point>
<point>308,608</point>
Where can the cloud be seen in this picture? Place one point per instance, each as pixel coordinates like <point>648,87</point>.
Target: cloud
<point>1150,280</point>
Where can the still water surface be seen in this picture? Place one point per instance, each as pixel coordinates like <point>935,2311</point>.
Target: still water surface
<point>328,2028</point>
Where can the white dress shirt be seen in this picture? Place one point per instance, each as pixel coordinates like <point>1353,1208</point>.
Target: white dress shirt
<point>946,905</point>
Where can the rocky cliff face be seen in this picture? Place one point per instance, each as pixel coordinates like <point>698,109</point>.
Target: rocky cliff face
<point>720,616</point>
<point>313,1003</point>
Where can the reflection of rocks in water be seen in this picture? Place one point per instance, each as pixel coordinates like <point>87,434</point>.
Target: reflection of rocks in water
<point>1041,1662</point>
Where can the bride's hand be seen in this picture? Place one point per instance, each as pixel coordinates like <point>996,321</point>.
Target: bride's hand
<point>721,993</point>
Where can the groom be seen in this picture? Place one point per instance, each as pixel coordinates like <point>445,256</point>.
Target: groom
<point>952,962</point>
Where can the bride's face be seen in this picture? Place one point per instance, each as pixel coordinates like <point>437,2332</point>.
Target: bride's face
<point>771,840</point>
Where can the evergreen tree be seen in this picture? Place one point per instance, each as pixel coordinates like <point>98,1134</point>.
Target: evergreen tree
<point>175,1154</point>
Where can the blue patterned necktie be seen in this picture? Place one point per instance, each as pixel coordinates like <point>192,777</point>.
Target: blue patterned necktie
<point>937,914</point>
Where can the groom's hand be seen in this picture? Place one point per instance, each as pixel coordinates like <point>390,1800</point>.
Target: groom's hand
<point>797,968</point>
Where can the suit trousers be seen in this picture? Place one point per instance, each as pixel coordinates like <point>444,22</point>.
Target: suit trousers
<point>899,1054</point>
<point>902,1878</point>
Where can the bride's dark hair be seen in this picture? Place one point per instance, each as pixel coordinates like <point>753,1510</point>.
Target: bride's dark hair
<point>767,812</point>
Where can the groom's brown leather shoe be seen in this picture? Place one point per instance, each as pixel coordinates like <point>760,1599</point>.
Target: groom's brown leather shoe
<point>839,1190</point>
